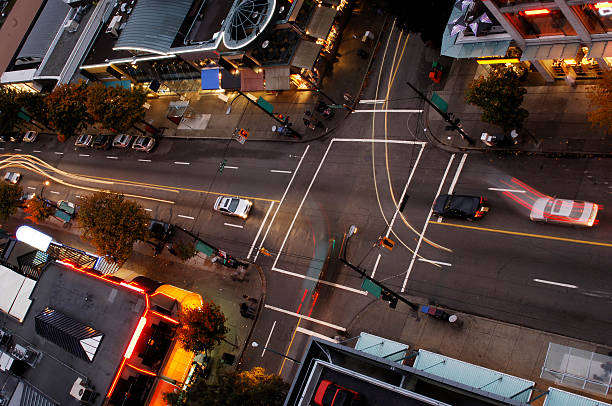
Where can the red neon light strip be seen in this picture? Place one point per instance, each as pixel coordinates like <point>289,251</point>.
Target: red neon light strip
<point>605,4</point>
<point>163,316</point>
<point>135,337</point>
<point>537,12</point>
<point>133,287</point>
<point>119,371</point>
<point>144,371</point>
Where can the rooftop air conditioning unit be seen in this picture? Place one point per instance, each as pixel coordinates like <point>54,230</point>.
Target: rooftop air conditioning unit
<point>114,26</point>
<point>71,26</point>
<point>82,392</point>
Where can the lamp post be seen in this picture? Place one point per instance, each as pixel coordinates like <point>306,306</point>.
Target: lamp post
<point>45,183</point>
<point>255,344</point>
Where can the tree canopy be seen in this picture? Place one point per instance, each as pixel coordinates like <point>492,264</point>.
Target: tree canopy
<point>112,224</point>
<point>202,328</point>
<point>37,210</point>
<point>9,107</point>
<point>66,108</point>
<point>500,96</point>
<point>10,200</point>
<point>35,104</point>
<point>114,107</point>
<point>248,388</point>
<point>600,96</point>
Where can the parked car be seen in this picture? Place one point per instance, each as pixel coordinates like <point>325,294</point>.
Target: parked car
<point>12,177</point>
<point>160,230</point>
<point>233,206</point>
<point>4,138</point>
<point>30,136</point>
<point>560,211</point>
<point>100,141</point>
<point>330,394</point>
<point>67,206</point>
<point>460,206</point>
<point>16,137</point>
<point>144,143</point>
<point>122,141</point>
<point>84,140</point>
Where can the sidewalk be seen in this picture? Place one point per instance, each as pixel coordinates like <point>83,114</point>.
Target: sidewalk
<point>346,75</point>
<point>199,274</point>
<point>557,124</point>
<point>504,347</point>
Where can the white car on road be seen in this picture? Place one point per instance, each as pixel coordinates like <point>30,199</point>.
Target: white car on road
<point>30,136</point>
<point>560,211</point>
<point>233,206</point>
<point>12,177</point>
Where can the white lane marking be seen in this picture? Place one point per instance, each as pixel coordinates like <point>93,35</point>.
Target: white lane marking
<point>79,197</point>
<point>563,285</point>
<point>507,190</point>
<point>371,101</point>
<point>149,209</point>
<point>388,111</point>
<point>321,322</point>
<point>435,262</point>
<point>36,150</point>
<point>18,149</point>
<point>2,148</point>
<point>302,203</point>
<point>231,167</point>
<point>416,250</point>
<point>181,163</point>
<point>381,141</point>
<point>233,225</point>
<point>83,154</point>
<point>268,340</point>
<point>31,188</point>
<point>281,201</point>
<point>58,153</point>
<point>54,192</point>
<point>416,163</point>
<point>451,189</point>
<point>279,171</point>
<point>144,160</point>
<point>309,278</point>
<point>315,334</point>
<point>185,217</point>
<point>112,157</point>
<point>260,228</point>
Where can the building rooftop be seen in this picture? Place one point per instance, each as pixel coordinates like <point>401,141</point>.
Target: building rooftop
<point>15,27</point>
<point>81,302</point>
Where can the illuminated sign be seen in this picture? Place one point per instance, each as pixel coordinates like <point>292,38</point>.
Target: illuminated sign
<point>604,9</point>
<point>33,237</point>
<point>536,12</point>
<point>135,337</point>
<point>496,61</point>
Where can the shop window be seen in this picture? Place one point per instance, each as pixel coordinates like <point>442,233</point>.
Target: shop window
<point>596,17</point>
<point>540,23</point>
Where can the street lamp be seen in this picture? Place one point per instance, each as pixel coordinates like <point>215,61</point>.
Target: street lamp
<point>255,344</point>
<point>45,183</point>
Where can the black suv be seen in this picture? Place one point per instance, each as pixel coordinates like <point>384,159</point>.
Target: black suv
<point>100,141</point>
<point>460,206</point>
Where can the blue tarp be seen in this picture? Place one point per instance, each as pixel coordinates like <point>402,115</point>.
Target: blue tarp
<point>210,79</point>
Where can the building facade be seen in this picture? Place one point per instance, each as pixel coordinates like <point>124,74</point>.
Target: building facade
<point>560,39</point>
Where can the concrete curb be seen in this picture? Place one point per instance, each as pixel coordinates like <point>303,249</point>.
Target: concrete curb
<point>294,141</point>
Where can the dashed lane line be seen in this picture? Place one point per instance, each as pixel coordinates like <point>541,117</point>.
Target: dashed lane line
<point>279,171</point>
<point>84,155</point>
<point>144,160</point>
<point>233,225</point>
<point>58,153</point>
<point>112,157</point>
<point>185,217</point>
<point>181,163</point>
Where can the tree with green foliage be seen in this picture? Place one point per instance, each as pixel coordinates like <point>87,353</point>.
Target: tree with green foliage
<point>9,107</point>
<point>112,224</point>
<point>185,251</point>
<point>37,210</point>
<point>600,96</point>
<point>35,104</point>
<point>202,328</point>
<point>248,388</point>
<point>10,200</point>
<point>500,96</point>
<point>114,107</point>
<point>67,110</point>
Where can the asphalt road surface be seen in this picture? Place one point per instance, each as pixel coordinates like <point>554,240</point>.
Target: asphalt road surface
<point>308,195</point>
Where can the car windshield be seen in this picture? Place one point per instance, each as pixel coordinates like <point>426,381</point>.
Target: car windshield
<point>233,205</point>
<point>83,138</point>
<point>577,210</point>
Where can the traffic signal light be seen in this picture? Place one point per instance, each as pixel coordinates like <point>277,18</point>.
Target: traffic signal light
<point>243,133</point>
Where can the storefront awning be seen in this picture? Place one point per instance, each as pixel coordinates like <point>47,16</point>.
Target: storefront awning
<point>600,50</point>
<point>556,51</point>
<point>306,54</point>
<point>321,21</point>
<point>210,79</point>
<point>477,49</point>
<point>251,81</point>
<point>277,78</point>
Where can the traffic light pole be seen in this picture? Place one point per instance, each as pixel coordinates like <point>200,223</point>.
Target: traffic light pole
<point>272,115</point>
<point>453,124</point>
